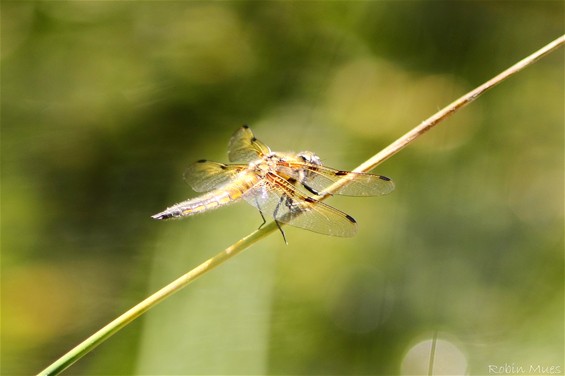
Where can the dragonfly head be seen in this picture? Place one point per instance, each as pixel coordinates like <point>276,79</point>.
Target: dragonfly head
<point>309,157</point>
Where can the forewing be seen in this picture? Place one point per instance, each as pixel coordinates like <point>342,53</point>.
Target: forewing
<point>319,178</point>
<point>244,147</point>
<point>279,200</point>
<point>204,176</point>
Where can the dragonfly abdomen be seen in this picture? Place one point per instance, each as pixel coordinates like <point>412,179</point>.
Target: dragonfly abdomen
<point>209,201</point>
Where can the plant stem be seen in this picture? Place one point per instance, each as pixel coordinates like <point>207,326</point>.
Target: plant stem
<point>447,111</point>
<point>107,331</point>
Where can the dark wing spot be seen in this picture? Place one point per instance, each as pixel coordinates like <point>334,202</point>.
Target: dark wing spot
<point>384,178</point>
<point>292,180</point>
<point>351,219</point>
<point>202,161</point>
<point>310,189</point>
<point>223,166</point>
<point>245,126</point>
<point>310,200</point>
<point>253,139</point>
<point>341,173</point>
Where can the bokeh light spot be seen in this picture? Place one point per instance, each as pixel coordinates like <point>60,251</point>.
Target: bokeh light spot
<point>448,359</point>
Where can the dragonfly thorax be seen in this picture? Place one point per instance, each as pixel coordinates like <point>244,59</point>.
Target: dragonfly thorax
<point>263,166</point>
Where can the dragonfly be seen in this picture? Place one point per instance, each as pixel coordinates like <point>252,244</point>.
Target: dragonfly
<point>288,187</point>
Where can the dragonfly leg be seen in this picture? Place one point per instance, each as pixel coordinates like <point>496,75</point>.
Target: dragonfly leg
<point>260,212</point>
<point>277,222</point>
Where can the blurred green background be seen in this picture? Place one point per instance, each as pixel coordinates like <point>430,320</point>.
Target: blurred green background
<point>105,103</point>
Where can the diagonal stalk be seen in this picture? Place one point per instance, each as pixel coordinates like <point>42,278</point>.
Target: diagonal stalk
<point>107,331</point>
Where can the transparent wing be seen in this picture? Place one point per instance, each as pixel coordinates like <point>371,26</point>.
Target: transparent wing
<point>244,147</point>
<point>204,176</point>
<point>278,199</point>
<point>318,178</point>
